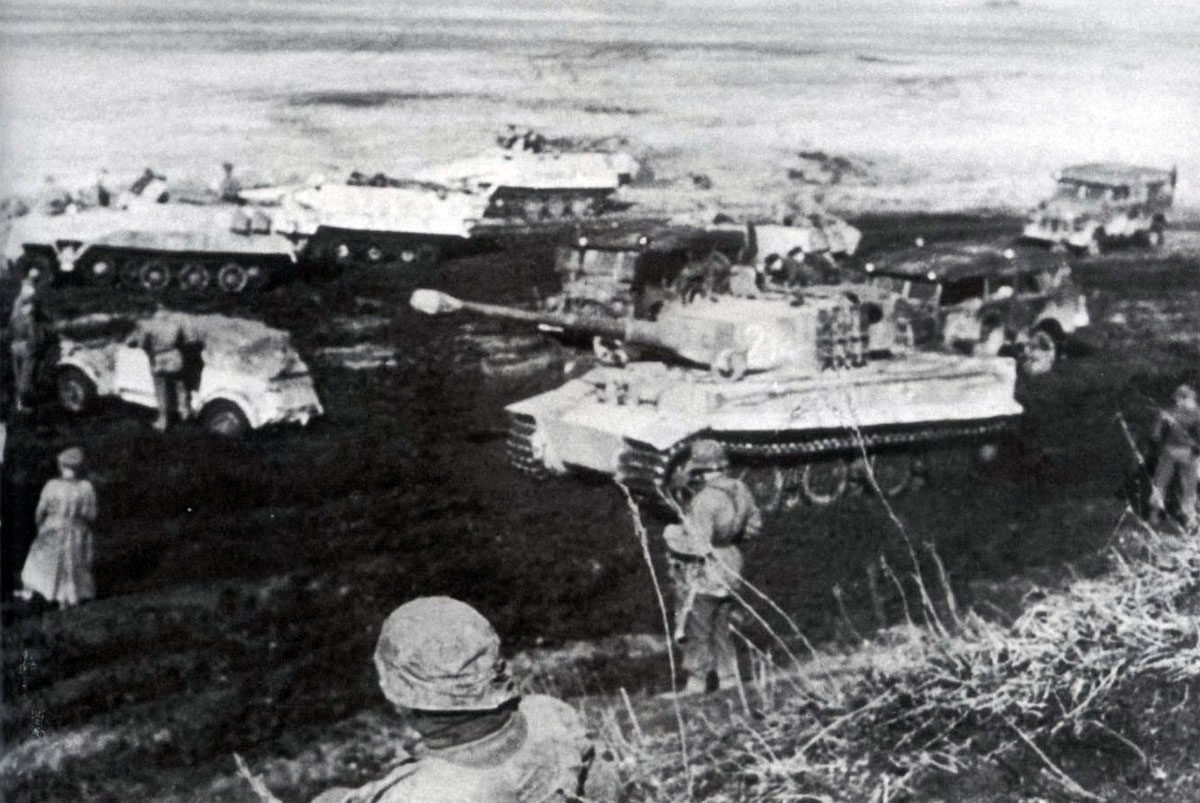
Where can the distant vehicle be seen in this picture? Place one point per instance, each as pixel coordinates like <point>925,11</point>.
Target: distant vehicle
<point>375,221</point>
<point>154,246</point>
<point>534,185</point>
<point>1098,205</point>
<point>628,269</point>
<point>981,299</point>
<point>248,375</point>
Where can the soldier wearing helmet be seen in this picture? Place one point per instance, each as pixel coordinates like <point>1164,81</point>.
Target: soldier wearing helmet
<point>473,738</point>
<point>1177,436</point>
<point>706,562</point>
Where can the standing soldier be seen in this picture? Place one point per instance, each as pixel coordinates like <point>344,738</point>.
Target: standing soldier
<point>26,332</point>
<point>229,186</point>
<point>1177,435</point>
<point>706,565</point>
<point>473,738</point>
<point>163,339</point>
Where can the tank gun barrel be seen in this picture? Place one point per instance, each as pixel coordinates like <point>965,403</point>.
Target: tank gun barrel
<point>643,333</point>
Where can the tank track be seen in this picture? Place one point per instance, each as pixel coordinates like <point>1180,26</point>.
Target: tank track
<point>519,446</point>
<point>646,470</point>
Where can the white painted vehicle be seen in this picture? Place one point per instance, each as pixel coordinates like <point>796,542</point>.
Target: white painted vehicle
<point>1098,205</point>
<point>249,376</point>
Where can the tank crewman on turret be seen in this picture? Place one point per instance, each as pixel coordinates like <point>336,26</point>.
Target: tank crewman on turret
<point>706,563</point>
<point>471,737</point>
<point>1177,435</point>
<point>164,341</point>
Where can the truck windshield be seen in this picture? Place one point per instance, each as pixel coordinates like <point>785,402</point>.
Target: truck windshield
<point>617,265</point>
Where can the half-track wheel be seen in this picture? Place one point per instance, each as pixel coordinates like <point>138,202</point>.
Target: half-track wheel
<point>194,277</point>
<point>154,275</point>
<point>232,278</point>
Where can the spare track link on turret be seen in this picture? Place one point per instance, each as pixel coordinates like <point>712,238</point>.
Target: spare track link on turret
<point>645,470</point>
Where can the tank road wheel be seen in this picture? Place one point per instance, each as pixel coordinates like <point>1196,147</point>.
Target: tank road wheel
<point>533,209</point>
<point>76,390</point>
<point>1098,244</point>
<point>765,483</point>
<point>224,418</point>
<point>824,482</point>
<point>129,273</point>
<point>232,278</point>
<point>893,473</point>
<point>419,255</point>
<point>194,277</point>
<point>103,270</point>
<point>1155,237</point>
<point>375,254</point>
<point>556,208</point>
<point>792,496</point>
<point>155,275</point>
<point>341,254</point>
<point>582,207</point>
<point>1041,352</point>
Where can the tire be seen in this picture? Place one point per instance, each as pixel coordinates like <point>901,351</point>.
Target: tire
<point>991,339</point>
<point>822,483</point>
<point>75,390</point>
<point>194,277</point>
<point>1041,353</point>
<point>154,275</point>
<point>224,418</point>
<point>232,278</point>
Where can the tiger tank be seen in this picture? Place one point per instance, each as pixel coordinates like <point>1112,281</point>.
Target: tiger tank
<point>794,387</point>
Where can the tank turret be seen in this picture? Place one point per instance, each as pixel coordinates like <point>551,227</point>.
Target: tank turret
<point>803,334</point>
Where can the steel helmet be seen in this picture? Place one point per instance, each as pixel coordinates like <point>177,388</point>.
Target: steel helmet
<point>439,654</point>
<point>707,455</point>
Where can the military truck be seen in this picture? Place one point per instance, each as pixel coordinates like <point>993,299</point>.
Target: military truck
<point>791,385</point>
<point>631,269</point>
<point>981,299</point>
<point>1098,205</point>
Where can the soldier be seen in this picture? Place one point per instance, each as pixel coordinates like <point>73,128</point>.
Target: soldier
<point>706,564</point>
<point>474,739</point>
<point>25,330</point>
<point>1177,435</point>
<point>52,199</point>
<point>163,340</point>
<point>229,186</point>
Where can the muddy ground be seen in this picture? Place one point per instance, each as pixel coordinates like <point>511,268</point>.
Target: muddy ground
<point>242,583</point>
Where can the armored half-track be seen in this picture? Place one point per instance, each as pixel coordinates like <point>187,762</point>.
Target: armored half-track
<point>792,386</point>
<point>157,246</point>
<point>531,186</point>
<point>408,222</point>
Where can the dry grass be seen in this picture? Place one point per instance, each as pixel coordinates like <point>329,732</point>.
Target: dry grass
<point>955,697</point>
